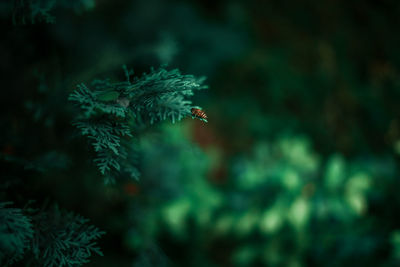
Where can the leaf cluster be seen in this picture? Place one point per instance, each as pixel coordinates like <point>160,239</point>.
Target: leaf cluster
<point>15,234</point>
<point>52,237</point>
<point>110,110</point>
<point>34,11</point>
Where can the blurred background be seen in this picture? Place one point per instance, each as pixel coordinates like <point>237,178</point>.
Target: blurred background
<point>297,166</point>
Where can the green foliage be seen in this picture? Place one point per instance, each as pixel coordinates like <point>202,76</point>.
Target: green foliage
<point>282,192</point>
<point>63,238</point>
<point>34,11</point>
<point>16,234</point>
<point>53,237</point>
<point>111,109</point>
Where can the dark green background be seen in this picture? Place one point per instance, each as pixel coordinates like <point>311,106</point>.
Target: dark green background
<point>298,165</point>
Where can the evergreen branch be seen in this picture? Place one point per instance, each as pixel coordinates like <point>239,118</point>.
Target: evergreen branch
<point>15,234</point>
<point>63,238</point>
<point>155,96</point>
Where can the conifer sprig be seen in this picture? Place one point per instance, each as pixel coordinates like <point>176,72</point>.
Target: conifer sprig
<point>15,234</point>
<point>109,109</point>
<point>53,237</point>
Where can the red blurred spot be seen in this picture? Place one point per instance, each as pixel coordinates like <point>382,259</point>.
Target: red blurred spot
<point>219,174</point>
<point>131,189</point>
<point>8,150</point>
<point>204,134</point>
<point>207,137</point>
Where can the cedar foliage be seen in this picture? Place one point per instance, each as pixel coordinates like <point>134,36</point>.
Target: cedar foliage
<point>41,11</point>
<point>16,234</point>
<point>109,110</point>
<point>51,237</point>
